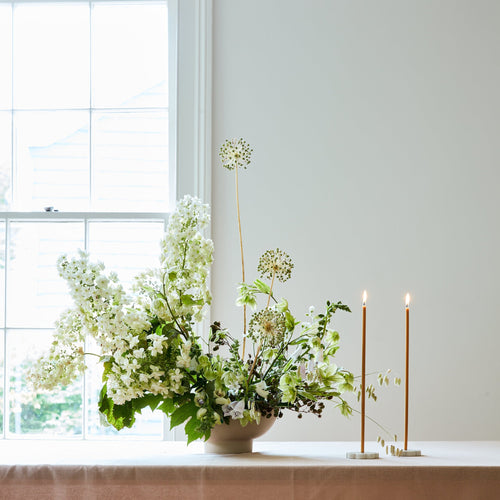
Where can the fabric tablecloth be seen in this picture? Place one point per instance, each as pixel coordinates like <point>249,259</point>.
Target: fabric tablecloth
<point>292,470</point>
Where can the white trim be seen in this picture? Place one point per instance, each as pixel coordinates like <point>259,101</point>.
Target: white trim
<point>79,216</point>
<point>79,1</point>
<point>173,85</point>
<point>203,100</point>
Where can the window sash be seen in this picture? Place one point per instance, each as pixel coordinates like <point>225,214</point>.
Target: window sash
<point>189,137</point>
<point>167,113</point>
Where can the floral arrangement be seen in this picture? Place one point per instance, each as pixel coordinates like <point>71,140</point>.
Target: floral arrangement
<point>152,355</point>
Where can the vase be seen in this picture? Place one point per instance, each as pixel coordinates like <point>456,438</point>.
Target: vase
<point>233,438</point>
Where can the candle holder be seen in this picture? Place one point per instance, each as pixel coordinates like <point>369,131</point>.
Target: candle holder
<point>362,455</point>
<point>410,453</point>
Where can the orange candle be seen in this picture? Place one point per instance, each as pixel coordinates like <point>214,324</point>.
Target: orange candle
<point>363,356</point>
<point>407,310</point>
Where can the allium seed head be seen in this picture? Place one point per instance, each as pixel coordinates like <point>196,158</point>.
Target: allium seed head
<point>267,326</point>
<point>275,262</point>
<point>235,153</point>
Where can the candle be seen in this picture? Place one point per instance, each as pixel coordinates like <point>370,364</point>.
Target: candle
<point>407,311</point>
<point>362,454</point>
<point>363,356</point>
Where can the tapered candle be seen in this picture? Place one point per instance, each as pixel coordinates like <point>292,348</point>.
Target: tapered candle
<point>362,454</point>
<point>407,311</point>
<point>363,356</point>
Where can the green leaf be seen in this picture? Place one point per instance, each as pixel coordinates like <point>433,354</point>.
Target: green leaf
<point>282,305</point>
<point>182,413</point>
<point>118,416</point>
<point>289,321</point>
<point>188,300</point>
<point>169,331</point>
<point>192,430</point>
<point>340,306</point>
<point>151,400</point>
<point>262,287</point>
<point>345,387</point>
<point>167,406</point>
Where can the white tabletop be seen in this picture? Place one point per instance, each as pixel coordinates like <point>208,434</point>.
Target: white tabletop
<point>279,470</point>
<point>170,453</point>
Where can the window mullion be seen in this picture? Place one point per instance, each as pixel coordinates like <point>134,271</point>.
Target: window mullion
<point>91,162</point>
<point>4,401</point>
<point>12,183</point>
<point>85,376</point>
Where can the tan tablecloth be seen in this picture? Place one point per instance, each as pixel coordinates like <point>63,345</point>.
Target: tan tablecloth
<point>153,470</point>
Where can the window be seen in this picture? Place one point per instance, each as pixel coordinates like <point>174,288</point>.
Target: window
<point>87,160</point>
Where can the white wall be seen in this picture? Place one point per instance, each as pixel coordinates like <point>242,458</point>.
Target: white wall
<point>376,165</point>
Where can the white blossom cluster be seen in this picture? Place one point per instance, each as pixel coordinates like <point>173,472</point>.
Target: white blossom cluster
<point>65,361</point>
<point>186,257</point>
<point>137,354</point>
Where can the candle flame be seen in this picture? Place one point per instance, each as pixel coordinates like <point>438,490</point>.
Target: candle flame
<point>364,298</point>
<point>407,302</point>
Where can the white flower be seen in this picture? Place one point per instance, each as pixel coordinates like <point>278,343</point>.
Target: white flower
<point>260,389</point>
<point>255,414</point>
<point>234,410</point>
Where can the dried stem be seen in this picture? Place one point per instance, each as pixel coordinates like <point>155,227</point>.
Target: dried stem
<point>271,289</point>
<point>260,343</point>
<point>242,263</point>
<point>254,362</point>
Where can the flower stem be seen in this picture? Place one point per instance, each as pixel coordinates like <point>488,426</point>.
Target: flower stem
<point>91,354</point>
<point>242,262</point>
<point>254,362</point>
<point>271,289</point>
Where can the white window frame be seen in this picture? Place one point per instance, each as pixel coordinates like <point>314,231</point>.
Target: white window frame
<point>190,117</point>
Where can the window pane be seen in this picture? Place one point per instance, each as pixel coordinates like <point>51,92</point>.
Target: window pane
<point>130,161</point>
<point>127,248</point>
<point>52,55</point>
<point>52,160</point>
<point>130,55</point>
<point>55,413</point>
<point>5,159</point>
<point>36,294</point>
<point>5,56</point>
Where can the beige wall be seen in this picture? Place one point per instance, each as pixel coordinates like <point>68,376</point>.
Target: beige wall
<point>375,128</point>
